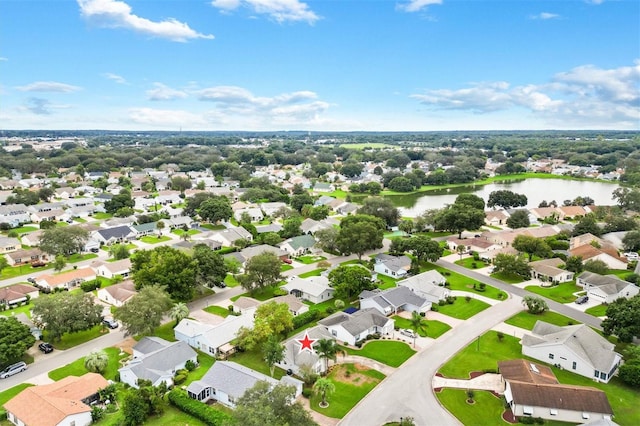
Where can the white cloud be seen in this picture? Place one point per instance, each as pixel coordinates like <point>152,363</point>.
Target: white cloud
<point>279,10</point>
<point>49,86</point>
<point>165,118</point>
<point>117,14</point>
<point>114,77</point>
<point>417,5</point>
<point>584,96</point>
<point>160,92</point>
<point>545,16</point>
<point>41,106</point>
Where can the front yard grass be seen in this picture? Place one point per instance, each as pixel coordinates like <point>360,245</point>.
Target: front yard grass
<point>461,283</point>
<point>391,353</point>
<point>386,282</point>
<point>76,368</point>
<point>487,409</point>
<point>285,267</point>
<point>309,259</point>
<point>562,293</point>
<point>314,273</point>
<point>526,320</point>
<point>434,329</point>
<point>231,281</point>
<point>69,340</point>
<point>266,294</point>
<point>204,364</point>
<point>217,310</point>
<point>25,309</point>
<point>154,240</point>
<point>352,384</point>
<point>255,360</point>
<point>469,262</point>
<point>463,309</point>
<point>598,311</point>
<point>508,277</point>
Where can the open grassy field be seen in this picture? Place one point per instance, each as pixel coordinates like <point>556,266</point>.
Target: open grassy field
<point>460,282</point>
<point>462,309</point>
<point>526,320</point>
<point>76,368</point>
<point>434,329</point>
<point>391,353</point>
<point>562,293</point>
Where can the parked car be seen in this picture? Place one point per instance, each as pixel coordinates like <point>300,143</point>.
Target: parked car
<point>45,347</point>
<point>94,250</point>
<point>408,333</point>
<point>110,322</point>
<point>221,284</point>
<point>287,261</point>
<point>631,255</point>
<point>582,299</point>
<point>31,280</point>
<point>16,368</point>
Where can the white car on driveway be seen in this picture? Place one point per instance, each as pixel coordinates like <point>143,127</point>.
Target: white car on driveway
<point>408,333</point>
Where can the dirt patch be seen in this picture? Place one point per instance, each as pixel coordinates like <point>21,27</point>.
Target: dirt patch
<point>126,345</point>
<point>508,416</point>
<point>350,373</point>
<point>475,374</point>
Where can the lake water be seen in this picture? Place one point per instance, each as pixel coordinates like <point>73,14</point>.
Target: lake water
<point>536,190</point>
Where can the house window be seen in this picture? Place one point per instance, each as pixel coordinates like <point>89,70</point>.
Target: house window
<point>603,375</point>
<point>596,374</point>
<point>527,410</point>
<point>574,365</point>
<point>550,356</point>
<point>585,415</point>
<point>553,412</point>
<point>334,333</point>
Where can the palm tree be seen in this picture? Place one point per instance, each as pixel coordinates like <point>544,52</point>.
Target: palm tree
<point>461,249</point>
<point>273,352</point>
<point>179,312</point>
<point>417,325</point>
<point>96,361</point>
<point>324,387</point>
<point>327,349</point>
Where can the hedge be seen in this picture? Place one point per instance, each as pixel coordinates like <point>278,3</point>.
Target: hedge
<point>210,416</point>
<point>306,318</point>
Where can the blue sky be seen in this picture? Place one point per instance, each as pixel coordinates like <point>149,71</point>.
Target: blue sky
<point>326,65</point>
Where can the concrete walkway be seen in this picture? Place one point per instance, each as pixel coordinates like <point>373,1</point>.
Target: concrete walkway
<point>510,330</point>
<point>475,296</point>
<point>489,382</point>
<point>367,362</point>
<point>437,316</point>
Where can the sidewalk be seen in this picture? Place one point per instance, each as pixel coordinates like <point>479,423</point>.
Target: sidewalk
<point>510,330</point>
<point>487,381</point>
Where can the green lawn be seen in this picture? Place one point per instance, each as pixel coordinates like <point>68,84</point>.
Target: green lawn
<point>461,283</point>
<point>487,409</point>
<point>314,273</point>
<point>285,267</point>
<point>598,311</point>
<point>491,351</point>
<point>102,216</point>
<point>165,331</point>
<point>25,229</point>
<point>181,232</point>
<point>469,262</point>
<point>309,259</point>
<point>562,293</point>
<point>204,364</point>
<point>217,310</point>
<point>347,395</point>
<point>26,309</point>
<point>388,352</point>
<point>508,277</point>
<point>526,320</point>
<point>212,227</point>
<point>231,281</point>
<point>70,340</point>
<point>76,368</point>
<point>462,309</point>
<point>149,239</point>
<point>266,294</point>
<point>255,361</point>
<point>434,329</point>
<point>386,282</point>
<point>11,392</point>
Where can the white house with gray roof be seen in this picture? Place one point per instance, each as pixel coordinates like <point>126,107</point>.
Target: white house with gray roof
<point>392,266</point>
<point>606,288</point>
<point>226,382</point>
<point>313,289</point>
<point>297,246</point>
<point>351,328</point>
<point>156,360</point>
<point>394,300</point>
<point>429,284</point>
<point>576,348</point>
<point>294,359</point>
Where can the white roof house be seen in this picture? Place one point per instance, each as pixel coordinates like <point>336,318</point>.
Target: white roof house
<point>429,284</point>
<point>392,266</point>
<point>313,289</point>
<point>351,328</point>
<point>606,288</point>
<point>294,358</point>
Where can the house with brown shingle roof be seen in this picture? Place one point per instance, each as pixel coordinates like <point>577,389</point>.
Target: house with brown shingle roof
<point>607,253</point>
<point>548,271</point>
<point>571,211</point>
<point>65,402</point>
<point>532,390</point>
<point>17,293</point>
<point>496,217</point>
<point>66,280</point>
<point>118,294</point>
<point>26,257</point>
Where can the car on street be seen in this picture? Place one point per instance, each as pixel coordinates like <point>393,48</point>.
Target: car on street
<point>45,347</point>
<point>582,300</point>
<point>13,369</point>
<point>408,333</point>
<point>110,322</point>
<point>221,284</point>
<point>631,255</point>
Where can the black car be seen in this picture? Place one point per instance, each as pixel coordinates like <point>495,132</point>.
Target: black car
<point>45,347</point>
<point>582,299</point>
<point>221,284</point>
<point>31,280</point>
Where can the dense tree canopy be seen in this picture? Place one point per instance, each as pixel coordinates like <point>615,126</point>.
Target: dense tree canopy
<point>519,219</point>
<point>382,208</point>
<point>506,199</point>
<point>459,217</point>
<point>210,267</point>
<point>271,319</point>
<point>350,280</point>
<point>623,319</point>
<point>532,246</point>
<point>143,313</point>
<point>360,233</point>
<point>65,312</point>
<point>167,267</point>
<point>215,209</point>
<point>15,339</point>
<point>261,271</point>
<point>64,241</point>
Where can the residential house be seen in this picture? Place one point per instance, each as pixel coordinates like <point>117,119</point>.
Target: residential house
<point>53,215</point>
<point>576,348</point>
<point>109,270</point>
<point>323,187</point>
<point>118,294</point>
<point>429,285</point>
<point>542,213</point>
<point>313,289</point>
<point>606,288</point>
<point>67,402</point>
<point>310,226</point>
<point>114,235</point>
<point>296,307</point>
<point>607,253</point>
<point>272,227</point>
<point>270,208</point>
<point>392,266</point>
<point>548,271</point>
<point>214,340</point>
<point>33,256</point>
<point>226,382</point>
<point>251,251</point>
<point>244,304</point>
<point>478,244</point>
<point>587,238</point>
<point>9,244</point>
<point>156,360</point>
<point>351,328</point>
<point>178,222</point>
<point>230,235</point>
<point>298,246</point>
<point>346,208</point>
<point>84,211</point>
<point>14,214</point>
<point>324,200</point>
<point>394,300</point>
<point>532,390</point>
<point>17,293</point>
<point>254,213</point>
<point>294,358</point>
<point>496,217</point>
<point>66,280</point>
<point>145,229</point>
<point>571,212</point>
<point>32,239</point>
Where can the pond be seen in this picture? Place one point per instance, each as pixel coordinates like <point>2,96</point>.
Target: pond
<point>536,190</point>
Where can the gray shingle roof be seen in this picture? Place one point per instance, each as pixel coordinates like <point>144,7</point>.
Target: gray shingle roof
<point>231,378</point>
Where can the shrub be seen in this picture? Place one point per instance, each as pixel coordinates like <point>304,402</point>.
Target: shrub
<point>330,310</point>
<point>179,379</point>
<point>500,335</point>
<point>526,420</point>
<point>96,413</point>
<point>359,343</point>
<point>88,286</point>
<point>442,302</point>
<point>307,393</point>
<point>451,300</point>
<point>434,308</point>
<point>306,318</point>
<point>190,365</point>
<point>474,265</point>
<point>210,416</point>
<point>467,298</point>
